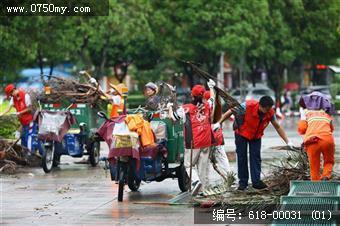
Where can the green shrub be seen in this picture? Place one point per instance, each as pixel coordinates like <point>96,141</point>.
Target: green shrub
<point>337,104</point>
<point>9,124</point>
<point>133,101</point>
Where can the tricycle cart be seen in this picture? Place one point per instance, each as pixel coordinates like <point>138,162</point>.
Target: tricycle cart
<point>132,165</point>
<point>78,141</point>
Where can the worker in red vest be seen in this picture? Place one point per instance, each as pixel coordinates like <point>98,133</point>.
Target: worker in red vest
<point>256,116</point>
<point>21,101</point>
<point>198,137</point>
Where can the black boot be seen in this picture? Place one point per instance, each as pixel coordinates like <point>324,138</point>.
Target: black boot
<point>260,185</point>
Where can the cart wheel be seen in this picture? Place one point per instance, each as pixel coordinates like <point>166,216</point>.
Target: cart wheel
<point>121,180</point>
<point>56,160</point>
<point>47,159</point>
<point>183,178</point>
<point>94,153</point>
<point>133,182</point>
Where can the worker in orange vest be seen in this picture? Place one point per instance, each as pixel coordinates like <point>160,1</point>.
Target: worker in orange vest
<point>117,93</point>
<point>21,101</point>
<point>317,129</point>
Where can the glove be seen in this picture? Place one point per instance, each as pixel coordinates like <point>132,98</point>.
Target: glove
<point>169,105</point>
<point>215,126</point>
<point>93,81</point>
<point>211,84</point>
<point>290,144</point>
<point>17,134</point>
<point>302,114</point>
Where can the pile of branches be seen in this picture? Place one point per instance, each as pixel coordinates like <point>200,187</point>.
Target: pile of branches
<point>12,155</point>
<point>294,167</point>
<point>69,89</point>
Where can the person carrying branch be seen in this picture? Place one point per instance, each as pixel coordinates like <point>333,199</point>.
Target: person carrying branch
<point>220,156</point>
<point>198,137</point>
<point>256,115</point>
<point>114,95</point>
<point>22,103</point>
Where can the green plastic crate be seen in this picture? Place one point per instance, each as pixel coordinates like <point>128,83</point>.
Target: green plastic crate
<point>314,188</point>
<point>309,196</point>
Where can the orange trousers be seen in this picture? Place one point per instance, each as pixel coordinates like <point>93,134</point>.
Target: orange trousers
<point>326,147</point>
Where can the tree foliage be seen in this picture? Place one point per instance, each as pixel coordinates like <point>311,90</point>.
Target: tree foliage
<point>156,35</point>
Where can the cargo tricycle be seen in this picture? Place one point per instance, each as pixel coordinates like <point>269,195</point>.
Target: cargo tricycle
<point>74,129</point>
<point>136,163</point>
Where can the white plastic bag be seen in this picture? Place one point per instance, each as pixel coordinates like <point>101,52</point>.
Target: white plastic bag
<point>120,129</point>
<point>51,123</point>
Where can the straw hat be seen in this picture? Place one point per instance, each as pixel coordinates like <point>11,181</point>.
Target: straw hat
<point>121,88</point>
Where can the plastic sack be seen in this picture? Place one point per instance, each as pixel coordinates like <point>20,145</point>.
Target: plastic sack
<point>123,137</point>
<point>51,123</point>
<point>126,141</point>
<point>159,129</point>
<point>120,129</point>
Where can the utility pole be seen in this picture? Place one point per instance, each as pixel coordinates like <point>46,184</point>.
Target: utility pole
<point>220,75</point>
<point>241,67</point>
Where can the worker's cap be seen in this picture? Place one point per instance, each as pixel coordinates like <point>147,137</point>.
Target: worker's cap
<point>9,88</point>
<point>152,86</point>
<point>121,88</point>
<point>206,95</point>
<point>198,90</point>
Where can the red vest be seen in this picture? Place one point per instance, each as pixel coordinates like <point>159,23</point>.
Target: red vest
<point>253,127</point>
<point>20,105</point>
<point>197,127</point>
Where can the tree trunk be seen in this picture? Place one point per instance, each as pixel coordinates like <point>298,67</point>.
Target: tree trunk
<point>120,71</point>
<point>51,70</point>
<point>189,72</point>
<point>83,54</point>
<point>41,66</point>
<point>275,75</point>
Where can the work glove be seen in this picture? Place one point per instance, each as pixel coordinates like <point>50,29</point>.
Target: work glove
<point>17,134</point>
<point>302,114</point>
<point>169,105</point>
<point>215,126</point>
<point>93,81</point>
<point>290,144</point>
<point>211,84</point>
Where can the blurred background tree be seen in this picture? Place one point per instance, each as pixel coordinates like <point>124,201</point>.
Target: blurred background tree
<point>151,37</point>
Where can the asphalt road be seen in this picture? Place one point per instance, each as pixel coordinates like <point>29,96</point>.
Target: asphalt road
<point>78,194</point>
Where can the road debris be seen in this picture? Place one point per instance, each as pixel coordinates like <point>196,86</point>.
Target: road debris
<point>13,154</point>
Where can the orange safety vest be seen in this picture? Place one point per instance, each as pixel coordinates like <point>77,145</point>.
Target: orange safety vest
<point>253,127</point>
<point>317,124</point>
<point>117,109</point>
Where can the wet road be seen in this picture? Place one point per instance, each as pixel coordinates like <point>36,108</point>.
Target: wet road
<point>77,194</point>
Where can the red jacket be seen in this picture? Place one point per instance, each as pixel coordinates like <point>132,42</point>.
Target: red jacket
<point>20,105</point>
<point>197,127</point>
<point>253,127</point>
